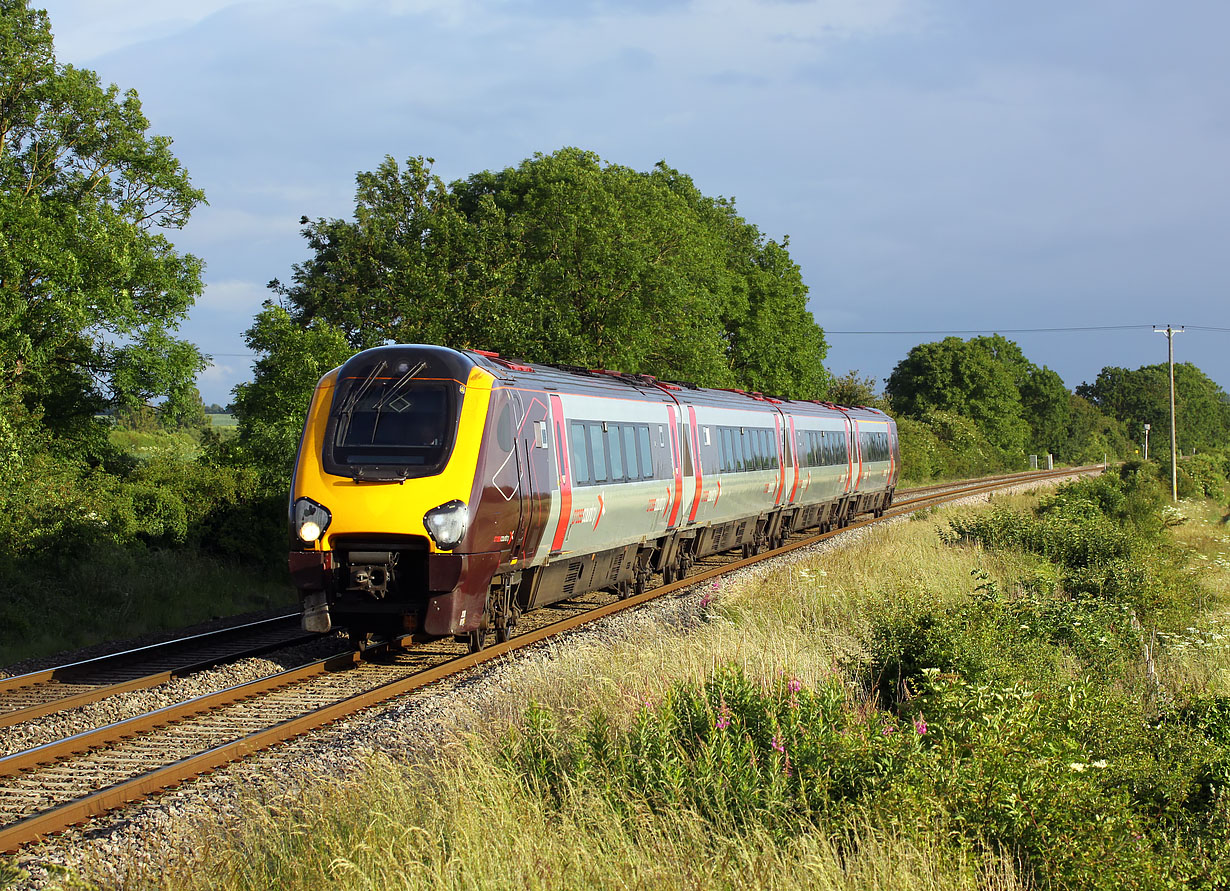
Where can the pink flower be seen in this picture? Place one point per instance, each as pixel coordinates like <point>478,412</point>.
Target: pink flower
<point>795,685</point>
<point>921,726</point>
<point>888,730</point>
<point>777,744</point>
<point>723,720</point>
<point>704,601</point>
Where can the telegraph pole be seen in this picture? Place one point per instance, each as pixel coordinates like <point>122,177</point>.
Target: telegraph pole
<point>1146,442</point>
<point>1174,453</point>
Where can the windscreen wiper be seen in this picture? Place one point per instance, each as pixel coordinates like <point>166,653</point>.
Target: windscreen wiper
<point>393,390</point>
<point>347,410</point>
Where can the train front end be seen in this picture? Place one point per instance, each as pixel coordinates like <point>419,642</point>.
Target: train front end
<point>380,503</point>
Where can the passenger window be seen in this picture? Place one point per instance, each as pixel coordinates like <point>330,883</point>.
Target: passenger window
<point>617,452</point>
<point>580,454</point>
<point>597,450</point>
<point>644,451</point>
<point>628,433</point>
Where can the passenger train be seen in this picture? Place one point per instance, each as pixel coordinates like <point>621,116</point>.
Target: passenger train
<point>445,492</point>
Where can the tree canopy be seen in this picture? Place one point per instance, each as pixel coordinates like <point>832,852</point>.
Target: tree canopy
<point>564,258</point>
<point>974,379</point>
<point>90,288</point>
<point>1139,396</point>
<point>1017,405</point>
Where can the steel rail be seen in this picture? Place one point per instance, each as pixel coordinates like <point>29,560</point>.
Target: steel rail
<point>79,674</point>
<point>60,817</point>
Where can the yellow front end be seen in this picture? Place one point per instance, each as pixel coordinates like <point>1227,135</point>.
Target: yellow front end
<point>374,568</point>
<point>389,507</point>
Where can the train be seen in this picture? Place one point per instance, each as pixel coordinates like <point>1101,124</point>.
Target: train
<point>443,492</point>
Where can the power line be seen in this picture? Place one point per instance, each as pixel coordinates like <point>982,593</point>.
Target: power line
<point>994,330</point>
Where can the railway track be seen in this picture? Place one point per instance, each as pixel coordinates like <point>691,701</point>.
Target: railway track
<point>49,788</point>
<point>26,697</point>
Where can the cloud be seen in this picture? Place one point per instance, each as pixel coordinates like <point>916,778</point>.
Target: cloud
<point>86,29</point>
<point>232,297</point>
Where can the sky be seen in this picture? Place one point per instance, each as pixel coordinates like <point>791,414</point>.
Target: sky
<point>940,166</point>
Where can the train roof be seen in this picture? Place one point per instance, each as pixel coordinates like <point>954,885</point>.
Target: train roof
<point>578,379</point>
<point>447,362</point>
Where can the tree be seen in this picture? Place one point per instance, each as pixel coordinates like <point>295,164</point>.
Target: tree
<point>272,407</point>
<point>90,288</point>
<point>850,389</point>
<point>564,259</point>
<point>967,379</point>
<point>1140,396</point>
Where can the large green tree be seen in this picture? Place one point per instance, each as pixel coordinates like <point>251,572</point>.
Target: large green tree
<point>91,288</point>
<point>1018,405</point>
<point>564,258</point>
<point>1142,395</point>
<point>964,378</point>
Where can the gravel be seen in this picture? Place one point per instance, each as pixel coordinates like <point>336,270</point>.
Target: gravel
<point>113,848</point>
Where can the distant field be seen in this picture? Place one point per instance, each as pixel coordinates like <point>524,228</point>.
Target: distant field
<point>217,420</point>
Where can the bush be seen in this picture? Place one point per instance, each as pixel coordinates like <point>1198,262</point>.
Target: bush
<point>1069,785</point>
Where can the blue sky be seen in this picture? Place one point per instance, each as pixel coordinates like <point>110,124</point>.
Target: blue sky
<point>938,166</point>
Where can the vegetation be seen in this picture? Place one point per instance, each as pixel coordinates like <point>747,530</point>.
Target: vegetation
<point>1142,396</point>
<point>988,706</point>
<point>90,289</point>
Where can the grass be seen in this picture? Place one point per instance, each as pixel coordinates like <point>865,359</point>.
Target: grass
<point>1047,762</point>
<point>116,594</point>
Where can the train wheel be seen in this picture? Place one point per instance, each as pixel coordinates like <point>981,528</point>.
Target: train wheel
<point>477,639</point>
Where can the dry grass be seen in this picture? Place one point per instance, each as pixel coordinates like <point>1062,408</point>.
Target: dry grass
<point>399,834</point>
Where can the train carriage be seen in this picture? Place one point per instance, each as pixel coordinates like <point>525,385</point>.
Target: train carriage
<point>445,492</point>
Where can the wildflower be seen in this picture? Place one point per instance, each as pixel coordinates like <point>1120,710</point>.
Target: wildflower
<point>888,730</point>
<point>778,745</point>
<point>1077,767</point>
<point>920,726</point>
<point>705,599</point>
<point>1099,764</point>
<point>723,720</point>
<point>795,685</point>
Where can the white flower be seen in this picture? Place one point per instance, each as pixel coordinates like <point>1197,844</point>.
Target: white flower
<point>1100,763</point>
<point>1077,767</point>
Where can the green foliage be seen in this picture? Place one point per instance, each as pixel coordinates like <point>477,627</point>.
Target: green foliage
<point>271,409</point>
<point>850,389</point>
<point>560,259</point>
<point>1017,406</point>
<point>1090,437</point>
<point>1140,396</point>
<point>1203,474</point>
<point>1066,784</point>
<point>946,445</point>
<point>1102,536</point>
<point>966,379</point>
<point>1010,723</point>
<point>89,288</point>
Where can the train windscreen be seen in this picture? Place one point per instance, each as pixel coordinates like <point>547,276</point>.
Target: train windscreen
<point>388,424</point>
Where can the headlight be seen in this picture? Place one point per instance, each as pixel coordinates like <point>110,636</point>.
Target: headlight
<point>447,524</point>
<point>311,519</point>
